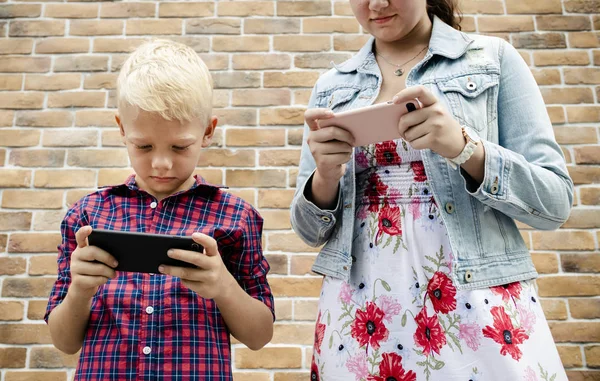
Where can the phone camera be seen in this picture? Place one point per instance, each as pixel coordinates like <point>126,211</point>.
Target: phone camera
<point>195,246</point>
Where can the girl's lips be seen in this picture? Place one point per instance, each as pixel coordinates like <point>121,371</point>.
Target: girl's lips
<point>382,20</point>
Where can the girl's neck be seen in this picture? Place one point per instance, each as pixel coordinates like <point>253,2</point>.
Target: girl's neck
<point>411,43</point>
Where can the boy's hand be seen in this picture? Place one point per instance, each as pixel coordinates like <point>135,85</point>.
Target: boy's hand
<point>211,279</point>
<point>91,266</point>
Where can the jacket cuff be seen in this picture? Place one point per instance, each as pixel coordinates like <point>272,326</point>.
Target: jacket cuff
<point>326,217</point>
<point>495,180</point>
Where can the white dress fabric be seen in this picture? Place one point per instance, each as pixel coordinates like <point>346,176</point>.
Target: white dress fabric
<point>400,317</point>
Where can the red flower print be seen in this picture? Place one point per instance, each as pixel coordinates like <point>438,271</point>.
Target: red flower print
<point>505,334</point>
<point>429,334</point>
<point>390,368</point>
<point>314,371</point>
<point>386,154</point>
<point>442,293</point>
<point>368,326</point>
<point>319,334</point>
<point>419,170</point>
<point>508,290</point>
<point>389,222</point>
<point>375,192</point>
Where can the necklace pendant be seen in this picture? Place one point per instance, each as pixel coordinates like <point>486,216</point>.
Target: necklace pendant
<point>399,72</point>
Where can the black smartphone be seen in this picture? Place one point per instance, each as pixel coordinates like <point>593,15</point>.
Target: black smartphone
<point>142,252</point>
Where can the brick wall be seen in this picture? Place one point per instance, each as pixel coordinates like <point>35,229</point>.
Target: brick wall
<point>58,141</point>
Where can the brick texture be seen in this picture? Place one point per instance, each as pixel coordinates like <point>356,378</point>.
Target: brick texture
<point>59,63</point>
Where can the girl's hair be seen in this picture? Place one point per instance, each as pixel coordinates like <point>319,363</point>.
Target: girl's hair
<point>168,78</point>
<point>446,10</point>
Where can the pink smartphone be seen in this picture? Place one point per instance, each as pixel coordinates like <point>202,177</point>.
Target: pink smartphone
<point>372,124</point>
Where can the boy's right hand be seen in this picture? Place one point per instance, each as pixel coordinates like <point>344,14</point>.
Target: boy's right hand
<point>91,266</point>
<point>331,147</point>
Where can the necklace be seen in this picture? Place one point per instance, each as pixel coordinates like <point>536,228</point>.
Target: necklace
<point>399,71</point>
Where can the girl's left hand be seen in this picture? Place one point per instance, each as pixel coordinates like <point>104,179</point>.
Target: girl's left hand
<point>430,126</point>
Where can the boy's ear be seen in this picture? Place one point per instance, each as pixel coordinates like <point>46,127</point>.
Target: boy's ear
<point>121,130</point>
<point>209,131</point>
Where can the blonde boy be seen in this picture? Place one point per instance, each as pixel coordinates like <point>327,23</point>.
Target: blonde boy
<point>173,325</point>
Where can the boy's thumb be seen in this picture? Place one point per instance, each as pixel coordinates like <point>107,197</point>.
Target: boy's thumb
<point>208,242</point>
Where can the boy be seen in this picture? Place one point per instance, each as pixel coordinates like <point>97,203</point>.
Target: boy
<point>174,325</point>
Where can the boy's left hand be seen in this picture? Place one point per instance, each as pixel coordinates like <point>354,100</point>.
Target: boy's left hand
<point>211,279</point>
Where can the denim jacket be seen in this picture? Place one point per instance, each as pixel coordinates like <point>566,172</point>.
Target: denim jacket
<point>488,88</point>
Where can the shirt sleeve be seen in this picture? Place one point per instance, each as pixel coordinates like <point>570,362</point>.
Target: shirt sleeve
<point>69,226</point>
<point>247,262</point>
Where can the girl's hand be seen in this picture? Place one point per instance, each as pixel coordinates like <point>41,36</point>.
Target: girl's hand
<point>431,126</point>
<point>331,147</point>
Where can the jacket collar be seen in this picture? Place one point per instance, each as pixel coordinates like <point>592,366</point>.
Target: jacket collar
<point>445,41</point>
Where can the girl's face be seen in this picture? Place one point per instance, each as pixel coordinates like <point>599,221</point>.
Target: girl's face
<point>390,20</point>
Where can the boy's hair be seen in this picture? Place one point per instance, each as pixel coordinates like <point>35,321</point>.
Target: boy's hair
<point>168,78</point>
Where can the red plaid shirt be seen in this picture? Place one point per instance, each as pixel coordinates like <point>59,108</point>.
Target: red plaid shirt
<point>151,327</point>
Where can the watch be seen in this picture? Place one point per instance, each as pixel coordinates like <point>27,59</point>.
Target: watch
<point>467,152</point>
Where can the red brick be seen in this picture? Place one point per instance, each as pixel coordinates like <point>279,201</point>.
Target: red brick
<point>28,100</point>
<point>201,9</point>
<point>71,11</point>
<point>44,119</point>
<point>584,308</point>
<point>37,158</point>
<point>303,8</point>
<point>554,309</point>
<point>11,265</point>
<point>16,46</point>
<point>581,263</point>
<point>15,221</point>
<point>20,10</point>
<point>13,357</point>
<point>127,10</point>
<point>585,332</point>
<point>583,285</point>
<point>62,81</point>
<point>62,45</point>
<point>37,28</point>
<point>584,175</point>
<point>26,288</point>
<point>35,376</point>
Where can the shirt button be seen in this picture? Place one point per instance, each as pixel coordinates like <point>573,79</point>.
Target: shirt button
<point>468,276</point>
<point>471,86</point>
<point>147,350</point>
<point>494,189</point>
<point>153,204</point>
<point>449,208</point>
<point>149,310</point>
<point>325,219</point>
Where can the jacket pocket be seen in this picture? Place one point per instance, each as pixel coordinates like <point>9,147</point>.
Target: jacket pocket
<point>338,99</point>
<point>473,98</point>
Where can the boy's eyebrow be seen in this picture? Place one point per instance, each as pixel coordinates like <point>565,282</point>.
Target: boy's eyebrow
<point>179,139</point>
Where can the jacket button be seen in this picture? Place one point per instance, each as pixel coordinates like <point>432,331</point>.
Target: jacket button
<point>471,86</point>
<point>494,189</point>
<point>345,268</point>
<point>449,208</point>
<point>468,276</point>
<point>325,219</point>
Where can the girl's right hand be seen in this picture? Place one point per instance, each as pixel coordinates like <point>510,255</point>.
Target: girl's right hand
<point>331,147</point>
<point>91,267</point>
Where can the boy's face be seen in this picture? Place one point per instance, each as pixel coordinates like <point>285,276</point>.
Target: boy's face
<point>163,153</point>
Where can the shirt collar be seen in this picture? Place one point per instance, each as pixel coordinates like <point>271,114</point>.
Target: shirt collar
<point>445,41</point>
<point>200,183</point>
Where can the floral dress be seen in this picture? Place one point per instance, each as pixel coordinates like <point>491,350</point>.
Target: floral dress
<point>400,317</point>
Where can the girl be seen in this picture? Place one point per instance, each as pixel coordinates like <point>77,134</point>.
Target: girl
<point>426,274</point>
